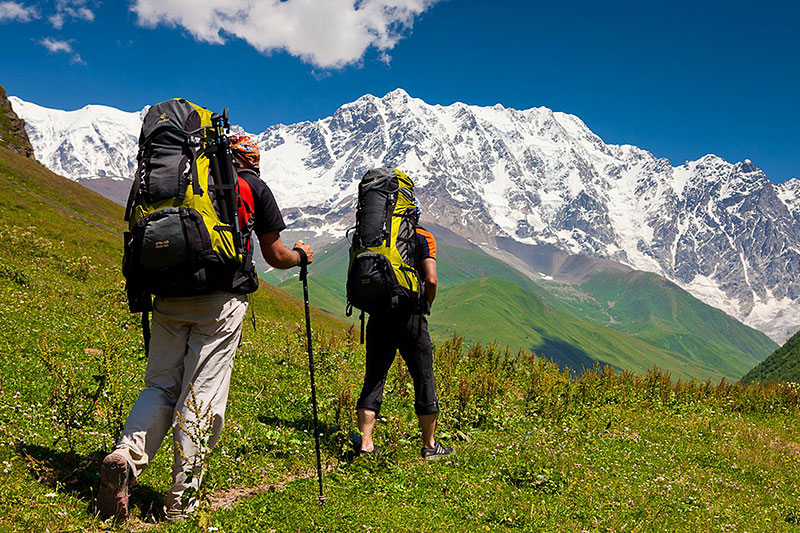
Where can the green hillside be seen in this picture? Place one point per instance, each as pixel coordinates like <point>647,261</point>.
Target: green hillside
<point>656,310</point>
<point>782,365</point>
<point>641,304</point>
<point>671,329</point>
<point>497,310</point>
<point>325,280</point>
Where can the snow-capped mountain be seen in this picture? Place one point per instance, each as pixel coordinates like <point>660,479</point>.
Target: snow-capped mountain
<point>723,231</point>
<point>95,141</point>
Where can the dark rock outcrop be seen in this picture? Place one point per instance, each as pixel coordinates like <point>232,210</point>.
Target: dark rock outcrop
<point>12,128</point>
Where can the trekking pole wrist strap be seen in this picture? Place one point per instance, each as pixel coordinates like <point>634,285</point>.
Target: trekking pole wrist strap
<point>302,254</point>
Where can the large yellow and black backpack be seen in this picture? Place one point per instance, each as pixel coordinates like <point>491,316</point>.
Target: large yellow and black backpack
<point>183,229</point>
<point>382,274</point>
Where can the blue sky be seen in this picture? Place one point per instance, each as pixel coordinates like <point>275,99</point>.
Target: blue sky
<point>680,79</point>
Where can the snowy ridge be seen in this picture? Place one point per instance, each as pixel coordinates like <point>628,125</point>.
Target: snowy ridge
<point>720,230</point>
<point>723,231</point>
<point>91,142</point>
<point>789,193</point>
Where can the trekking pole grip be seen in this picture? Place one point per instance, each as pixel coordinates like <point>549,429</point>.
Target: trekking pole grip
<point>303,262</point>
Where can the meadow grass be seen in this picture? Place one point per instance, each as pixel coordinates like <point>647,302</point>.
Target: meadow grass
<point>537,448</point>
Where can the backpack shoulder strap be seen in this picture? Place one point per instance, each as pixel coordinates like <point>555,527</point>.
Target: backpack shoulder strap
<point>137,180</point>
<point>132,195</point>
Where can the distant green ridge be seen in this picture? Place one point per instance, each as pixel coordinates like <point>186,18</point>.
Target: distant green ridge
<point>672,329</point>
<point>782,365</point>
<point>496,310</point>
<point>656,310</point>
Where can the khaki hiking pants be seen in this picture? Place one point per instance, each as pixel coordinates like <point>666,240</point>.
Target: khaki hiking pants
<point>194,340</point>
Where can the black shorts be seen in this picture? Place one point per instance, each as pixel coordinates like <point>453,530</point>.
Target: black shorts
<point>386,334</point>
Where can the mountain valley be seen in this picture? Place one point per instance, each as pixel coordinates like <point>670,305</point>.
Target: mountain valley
<point>537,196</point>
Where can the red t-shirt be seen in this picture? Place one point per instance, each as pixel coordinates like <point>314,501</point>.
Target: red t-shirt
<point>258,210</point>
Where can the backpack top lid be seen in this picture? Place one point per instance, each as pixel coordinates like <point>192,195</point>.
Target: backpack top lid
<point>403,180</point>
<point>177,113</point>
<point>383,193</point>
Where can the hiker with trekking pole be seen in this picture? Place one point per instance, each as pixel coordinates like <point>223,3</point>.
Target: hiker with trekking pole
<point>392,276</point>
<point>196,201</point>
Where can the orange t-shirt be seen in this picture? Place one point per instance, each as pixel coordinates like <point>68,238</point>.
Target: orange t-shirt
<point>426,245</point>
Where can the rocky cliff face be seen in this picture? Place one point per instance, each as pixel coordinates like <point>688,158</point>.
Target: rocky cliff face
<point>12,128</point>
<point>723,231</point>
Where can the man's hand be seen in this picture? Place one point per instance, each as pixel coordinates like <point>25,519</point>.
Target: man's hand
<point>307,249</point>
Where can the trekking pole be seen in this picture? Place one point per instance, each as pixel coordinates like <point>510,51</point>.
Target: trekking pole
<point>304,279</point>
<point>222,167</point>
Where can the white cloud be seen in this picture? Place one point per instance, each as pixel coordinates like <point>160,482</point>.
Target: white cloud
<point>57,20</point>
<point>15,11</point>
<point>57,46</point>
<point>325,33</point>
<point>70,9</point>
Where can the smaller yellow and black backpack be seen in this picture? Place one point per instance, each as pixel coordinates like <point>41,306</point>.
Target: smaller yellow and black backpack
<point>382,274</point>
<point>182,209</point>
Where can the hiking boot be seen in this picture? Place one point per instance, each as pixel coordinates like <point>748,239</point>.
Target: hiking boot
<point>174,515</point>
<point>365,453</point>
<point>437,452</point>
<point>112,499</point>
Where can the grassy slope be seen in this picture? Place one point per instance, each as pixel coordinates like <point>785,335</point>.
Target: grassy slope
<point>652,308</point>
<point>782,365</point>
<point>65,329</point>
<point>536,450</point>
<point>671,329</point>
<point>520,320</point>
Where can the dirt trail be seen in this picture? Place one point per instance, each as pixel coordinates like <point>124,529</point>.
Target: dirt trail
<point>228,498</point>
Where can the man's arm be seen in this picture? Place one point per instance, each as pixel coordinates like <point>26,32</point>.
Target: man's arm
<point>278,255</point>
<point>431,279</point>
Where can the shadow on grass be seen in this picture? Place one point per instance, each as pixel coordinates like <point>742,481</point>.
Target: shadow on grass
<point>564,354</point>
<point>79,475</point>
